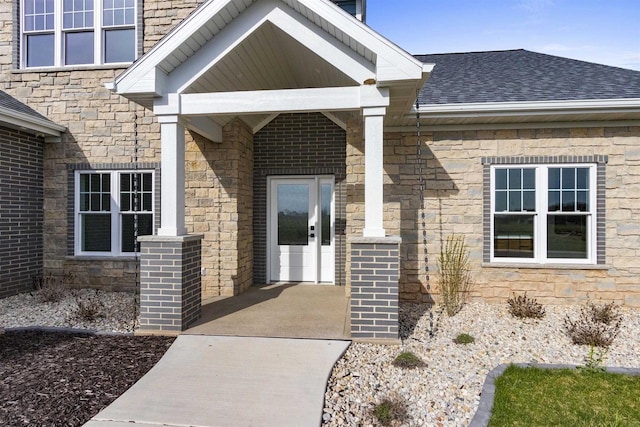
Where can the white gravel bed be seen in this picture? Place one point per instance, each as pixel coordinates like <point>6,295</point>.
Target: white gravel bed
<point>447,391</point>
<point>116,311</point>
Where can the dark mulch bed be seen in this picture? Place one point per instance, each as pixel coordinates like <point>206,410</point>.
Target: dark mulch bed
<point>63,379</point>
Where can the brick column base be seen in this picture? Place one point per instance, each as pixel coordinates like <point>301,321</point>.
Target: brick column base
<point>170,283</point>
<point>375,266</point>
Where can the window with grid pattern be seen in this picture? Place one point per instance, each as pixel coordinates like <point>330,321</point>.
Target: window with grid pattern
<point>57,33</point>
<point>106,207</point>
<point>543,213</point>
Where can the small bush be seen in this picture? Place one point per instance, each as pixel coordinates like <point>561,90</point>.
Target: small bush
<point>52,288</point>
<point>524,307</point>
<point>605,313</point>
<point>88,308</point>
<point>390,410</point>
<point>464,339</point>
<point>594,360</point>
<point>597,325</point>
<point>454,274</point>
<point>408,360</point>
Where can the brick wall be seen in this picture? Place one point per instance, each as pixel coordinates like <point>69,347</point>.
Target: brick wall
<point>298,144</point>
<point>21,158</point>
<point>374,288</point>
<point>454,204</point>
<point>170,294</point>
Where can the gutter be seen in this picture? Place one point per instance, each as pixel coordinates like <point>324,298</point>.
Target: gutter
<point>25,122</point>
<point>505,109</point>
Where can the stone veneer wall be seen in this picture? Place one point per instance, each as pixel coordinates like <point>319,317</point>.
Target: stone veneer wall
<point>100,130</point>
<point>21,160</point>
<point>454,199</point>
<point>219,205</point>
<point>299,144</point>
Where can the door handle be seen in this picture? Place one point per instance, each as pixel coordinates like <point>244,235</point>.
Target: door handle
<point>312,235</point>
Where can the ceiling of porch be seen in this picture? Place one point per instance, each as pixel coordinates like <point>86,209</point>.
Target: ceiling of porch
<point>269,59</point>
<point>232,46</point>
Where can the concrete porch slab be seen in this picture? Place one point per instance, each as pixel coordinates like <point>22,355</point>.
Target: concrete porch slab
<point>278,310</point>
<point>230,381</point>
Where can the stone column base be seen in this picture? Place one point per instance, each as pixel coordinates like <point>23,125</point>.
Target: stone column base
<point>170,283</point>
<point>375,266</point>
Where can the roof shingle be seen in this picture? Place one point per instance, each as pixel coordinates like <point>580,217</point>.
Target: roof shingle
<point>10,103</point>
<point>521,75</point>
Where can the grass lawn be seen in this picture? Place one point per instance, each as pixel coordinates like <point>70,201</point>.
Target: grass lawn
<point>565,397</point>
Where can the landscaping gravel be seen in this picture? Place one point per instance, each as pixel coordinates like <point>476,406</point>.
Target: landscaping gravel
<point>445,392</point>
<point>115,311</point>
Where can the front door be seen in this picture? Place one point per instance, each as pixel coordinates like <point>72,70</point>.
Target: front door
<point>301,230</point>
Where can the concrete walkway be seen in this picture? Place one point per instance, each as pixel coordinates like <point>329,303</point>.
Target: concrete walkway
<point>230,381</point>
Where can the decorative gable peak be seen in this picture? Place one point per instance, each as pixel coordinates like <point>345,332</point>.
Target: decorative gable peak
<point>357,8</point>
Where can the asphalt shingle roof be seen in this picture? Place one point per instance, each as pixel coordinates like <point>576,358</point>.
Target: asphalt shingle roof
<point>521,75</point>
<point>10,103</point>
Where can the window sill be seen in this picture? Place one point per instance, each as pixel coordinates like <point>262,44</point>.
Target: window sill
<point>71,68</point>
<point>101,258</point>
<point>545,266</point>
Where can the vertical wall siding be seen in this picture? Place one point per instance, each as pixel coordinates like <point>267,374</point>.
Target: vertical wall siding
<point>21,214</point>
<point>298,144</point>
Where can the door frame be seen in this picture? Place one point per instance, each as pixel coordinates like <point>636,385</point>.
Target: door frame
<point>270,206</point>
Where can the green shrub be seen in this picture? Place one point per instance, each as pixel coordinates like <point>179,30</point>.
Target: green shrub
<point>525,308</point>
<point>454,276</point>
<point>464,339</point>
<point>408,360</point>
<point>597,325</point>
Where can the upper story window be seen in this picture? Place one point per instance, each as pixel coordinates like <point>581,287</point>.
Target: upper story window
<point>57,33</point>
<point>543,213</point>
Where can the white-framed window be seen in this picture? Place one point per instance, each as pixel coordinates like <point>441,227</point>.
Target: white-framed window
<point>105,208</point>
<point>58,33</point>
<point>543,213</point>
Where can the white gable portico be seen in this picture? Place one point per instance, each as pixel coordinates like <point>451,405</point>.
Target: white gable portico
<point>255,59</point>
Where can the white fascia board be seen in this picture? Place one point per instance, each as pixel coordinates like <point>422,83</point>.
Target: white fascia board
<point>285,100</point>
<point>529,108</point>
<point>394,63</point>
<point>169,43</point>
<point>280,15</point>
<point>17,120</point>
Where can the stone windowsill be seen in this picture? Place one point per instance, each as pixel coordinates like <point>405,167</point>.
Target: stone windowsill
<point>69,68</point>
<point>546,266</point>
<point>93,258</point>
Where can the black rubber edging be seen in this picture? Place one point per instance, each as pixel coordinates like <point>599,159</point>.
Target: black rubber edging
<point>483,413</point>
<point>64,330</point>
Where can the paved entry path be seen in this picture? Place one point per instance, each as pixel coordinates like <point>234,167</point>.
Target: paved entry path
<point>230,381</point>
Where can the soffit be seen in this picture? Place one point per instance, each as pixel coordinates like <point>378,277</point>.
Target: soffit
<point>269,59</point>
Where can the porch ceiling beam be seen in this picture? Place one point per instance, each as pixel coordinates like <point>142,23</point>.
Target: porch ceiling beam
<point>285,100</point>
<point>204,126</point>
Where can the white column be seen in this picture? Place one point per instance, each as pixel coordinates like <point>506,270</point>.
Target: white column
<point>172,181</point>
<point>373,171</point>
